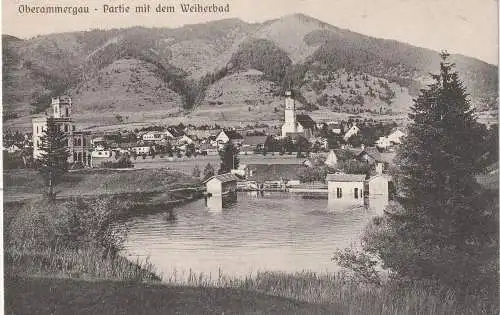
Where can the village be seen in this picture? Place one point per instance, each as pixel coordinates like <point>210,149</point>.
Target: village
<point>338,159</point>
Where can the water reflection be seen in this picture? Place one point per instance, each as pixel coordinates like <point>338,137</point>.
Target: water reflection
<point>378,203</point>
<point>170,216</point>
<point>339,205</point>
<point>215,204</point>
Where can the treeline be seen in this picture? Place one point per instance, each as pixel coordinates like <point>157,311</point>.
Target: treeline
<point>262,55</point>
<point>139,44</point>
<point>346,54</point>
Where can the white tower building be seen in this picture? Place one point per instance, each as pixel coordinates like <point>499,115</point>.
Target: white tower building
<point>61,107</point>
<point>79,145</point>
<point>290,125</point>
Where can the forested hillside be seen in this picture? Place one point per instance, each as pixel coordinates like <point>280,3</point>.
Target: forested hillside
<point>176,71</point>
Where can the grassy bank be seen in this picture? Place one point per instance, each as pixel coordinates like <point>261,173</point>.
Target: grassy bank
<point>138,192</point>
<point>264,293</point>
<point>24,184</point>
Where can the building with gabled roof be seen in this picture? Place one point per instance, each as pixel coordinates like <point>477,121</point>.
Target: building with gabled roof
<point>253,144</point>
<point>346,188</point>
<point>227,135</point>
<point>262,173</point>
<point>370,155</point>
<point>222,184</point>
<point>396,136</point>
<point>351,132</point>
<point>173,132</point>
<point>306,121</point>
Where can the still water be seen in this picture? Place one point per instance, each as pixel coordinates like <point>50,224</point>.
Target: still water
<point>274,231</point>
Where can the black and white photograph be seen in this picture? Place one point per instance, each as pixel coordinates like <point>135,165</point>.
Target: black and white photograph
<point>250,157</point>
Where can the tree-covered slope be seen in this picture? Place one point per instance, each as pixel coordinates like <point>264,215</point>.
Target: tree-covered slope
<point>329,68</point>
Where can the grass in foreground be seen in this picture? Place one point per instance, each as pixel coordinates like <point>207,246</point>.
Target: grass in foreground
<point>265,293</point>
<point>64,296</point>
<point>343,294</point>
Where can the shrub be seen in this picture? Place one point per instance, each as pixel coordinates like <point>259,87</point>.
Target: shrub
<point>70,238</point>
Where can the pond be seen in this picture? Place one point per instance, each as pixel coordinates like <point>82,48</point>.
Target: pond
<point>270,231</point>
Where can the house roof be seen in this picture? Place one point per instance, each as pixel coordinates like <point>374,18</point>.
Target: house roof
<point>306,121</point>
<point>398,130</point>
<point>223,178</point>
<point>355,151</point>
<point>373,152</point>
<point>345,178</point>
<point>388,177</point>
<point>254,140</point>
<point>232,134</point>
<point>267,172</point>
<point>175,132</point>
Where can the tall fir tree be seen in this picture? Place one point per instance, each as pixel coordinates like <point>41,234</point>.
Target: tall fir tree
<point>443,229</point>
<point>208,171</point>
<point>54,155</point>
<point>229,158</point>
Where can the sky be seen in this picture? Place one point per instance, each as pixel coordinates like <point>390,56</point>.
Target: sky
<point>468,27</point>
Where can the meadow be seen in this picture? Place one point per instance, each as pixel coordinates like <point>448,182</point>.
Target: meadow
<point>21,184</point>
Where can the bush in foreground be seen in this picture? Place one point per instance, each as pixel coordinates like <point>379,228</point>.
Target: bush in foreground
<point>77,238</point>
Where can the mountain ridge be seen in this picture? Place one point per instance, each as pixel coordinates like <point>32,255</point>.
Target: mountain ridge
<point>328,67</point>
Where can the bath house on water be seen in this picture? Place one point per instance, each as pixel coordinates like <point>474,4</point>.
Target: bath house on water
<point>221,191</point>
<point>222,185</point>
<point>346,190</point>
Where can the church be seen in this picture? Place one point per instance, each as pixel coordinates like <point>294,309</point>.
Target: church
<point>296,124</point>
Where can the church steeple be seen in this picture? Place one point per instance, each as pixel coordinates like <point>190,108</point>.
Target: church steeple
<point>61,107</point>
<point>290,125</point>
<point>289,107</point>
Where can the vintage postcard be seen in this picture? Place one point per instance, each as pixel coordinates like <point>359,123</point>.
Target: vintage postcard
<point>250,157</point>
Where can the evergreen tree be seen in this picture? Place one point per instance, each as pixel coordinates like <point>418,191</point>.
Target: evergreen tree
<point>196,171</point>
<point>54,155</point>
<point>208,171</point>
<point>302,145</point>
<point>443,229</point>
<point>229,158</point>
